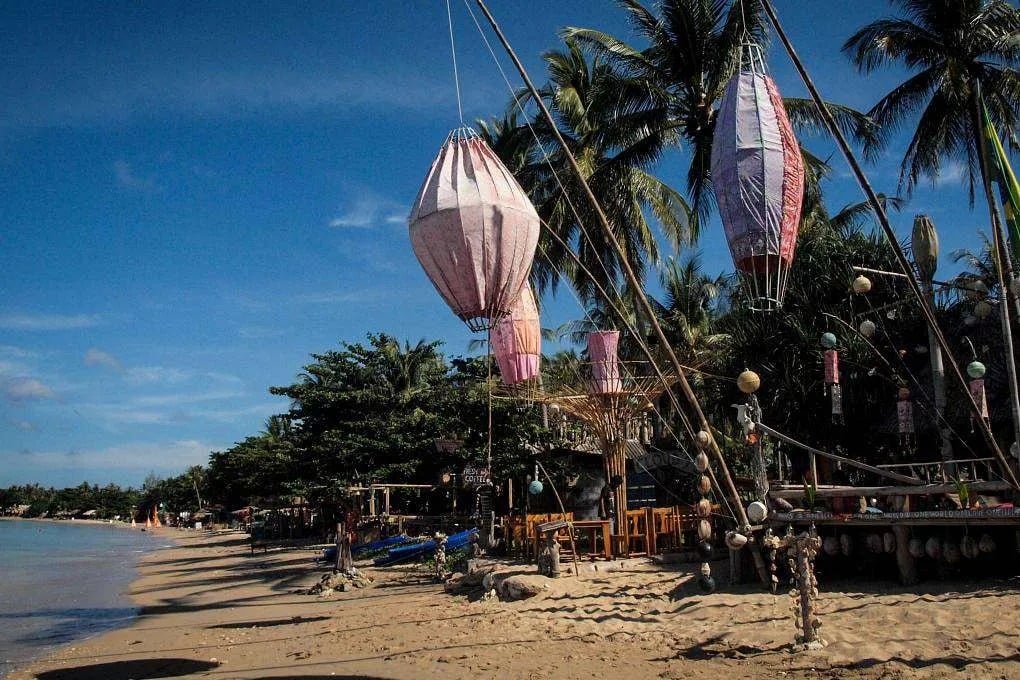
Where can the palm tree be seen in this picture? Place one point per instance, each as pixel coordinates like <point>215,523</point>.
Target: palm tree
<point>688,312</point>
<point>956,51</point>
<point>614,144</point>
<point>694,48</point>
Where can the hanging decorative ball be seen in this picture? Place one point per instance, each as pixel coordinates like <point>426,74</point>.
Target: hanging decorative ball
<point>757,512</point>
<point>975,289</point>
<point>846,544</point>
<point>748,382</point>
<point>982,309</point>
<point>735,541</point>
<point>970,320</point>
<point>701,461</point>
<point>703,439</point>
<point>830,545</point>
<point>976,369</point>
<point>703,508</point>
<point>706,583</point>
<point>969,547</point>
<point>986,544</point>
<point>704,485</point>
<point>933,548</point>
<point>861,285</point>
<point>916,548</point>
<point>867,328</point>
<point>889,542</point>
<point>828,340</point>
<point>704,529</point>
<point>705,550</point>
<point>535,487</point>
<point>950,551</point>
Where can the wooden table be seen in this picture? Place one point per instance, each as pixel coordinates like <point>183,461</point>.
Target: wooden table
<point>595,526</point>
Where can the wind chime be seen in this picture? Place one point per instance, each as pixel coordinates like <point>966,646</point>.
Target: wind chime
<point>905,418</point>
<point>830,362</point>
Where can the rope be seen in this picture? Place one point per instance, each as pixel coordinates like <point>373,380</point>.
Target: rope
<point>453,54</point>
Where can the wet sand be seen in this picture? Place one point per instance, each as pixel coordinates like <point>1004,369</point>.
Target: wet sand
<point>210,609</point>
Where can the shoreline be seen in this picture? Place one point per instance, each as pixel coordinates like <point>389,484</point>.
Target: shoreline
<point>211,609</point>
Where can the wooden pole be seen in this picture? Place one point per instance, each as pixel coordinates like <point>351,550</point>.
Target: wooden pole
<point>636,287</point>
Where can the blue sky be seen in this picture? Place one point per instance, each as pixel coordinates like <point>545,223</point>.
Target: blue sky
<point>198,196</point>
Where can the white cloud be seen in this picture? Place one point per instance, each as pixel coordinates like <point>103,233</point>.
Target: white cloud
<point>163,457</point>
<point>48,322</point>
<point>26,389</point>
<point>365,209</point>
<point>97,357</point>
<point>128,178</point>
<point>166,375</point>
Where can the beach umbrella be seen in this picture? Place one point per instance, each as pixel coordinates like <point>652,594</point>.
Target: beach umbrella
<point>758,177</point>
<point>517,340</point>
<point>473,230</point>
<point>605,365</point>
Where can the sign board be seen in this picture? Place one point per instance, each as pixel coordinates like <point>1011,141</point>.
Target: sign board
<point>475,475</point>
<point>449,445</point>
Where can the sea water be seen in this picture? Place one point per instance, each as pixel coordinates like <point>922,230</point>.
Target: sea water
<point>63,581</point>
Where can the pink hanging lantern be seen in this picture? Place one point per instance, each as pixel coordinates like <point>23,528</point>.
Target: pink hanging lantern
<point>473,230</point>
<point>517,340</point>
<point>758,177</point>
<point>605,365</point>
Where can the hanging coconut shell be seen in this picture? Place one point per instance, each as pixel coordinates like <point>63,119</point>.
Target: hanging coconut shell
<point>846,545</point>
<point>874,543</point>
<point>704,485</point>
<point>704,508</point>
<point>735,541</point>
<point>748,382</point>
<point>867,328</point>
<point>916,548</point>
<point>933,548</point>
<point>969,547</point>
<point>951,551</point>
<point>925,246</point>
<point>986,544</point>
<point>889,542</point>
<point>701,461</point>
<point>830,545</point>
<point>704,529</point>
<point>703,439</point>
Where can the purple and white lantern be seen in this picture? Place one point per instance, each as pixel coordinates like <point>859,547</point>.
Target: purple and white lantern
<point>605,364</point>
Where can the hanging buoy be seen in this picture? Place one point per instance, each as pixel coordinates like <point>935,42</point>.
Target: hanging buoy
<point>969,547</point>
<point>950,551</point>
<point>474,230</point>
<point>705,550</point>
<point>976,369</point>
<point>535,487</point>
<point>701,461</point>
<point>933,548</point>
<point>704,529</point>
<point>703,439</point>
<point>828,340</point>
<point>867,328</point>
<point>889,542</point>
<point>846,544</point>
<point>706,583</point>
<point>703,508</point>
<point>916,548</point>
<point>830,545</point>
<point>748,382</point>
<point>861,285</point>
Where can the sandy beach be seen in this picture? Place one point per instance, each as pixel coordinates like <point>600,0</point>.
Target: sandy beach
<point>212,609</point>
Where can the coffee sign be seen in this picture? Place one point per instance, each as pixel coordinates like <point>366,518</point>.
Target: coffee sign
<point>475,475</point>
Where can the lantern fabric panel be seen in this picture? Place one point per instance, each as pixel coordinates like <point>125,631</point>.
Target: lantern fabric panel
<point>977,390</point>
<point>517,340</point>
<point>605,365</point>
<point>473,230</point>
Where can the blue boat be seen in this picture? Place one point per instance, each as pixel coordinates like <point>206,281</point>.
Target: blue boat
<point>329,554</point>
<point>404,553</point>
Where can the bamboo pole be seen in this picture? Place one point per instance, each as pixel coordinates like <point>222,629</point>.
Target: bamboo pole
<point>883,221</point>
<point>635,284</point>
